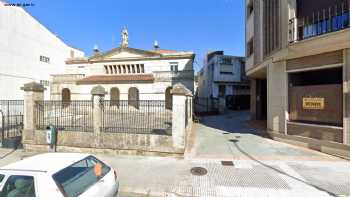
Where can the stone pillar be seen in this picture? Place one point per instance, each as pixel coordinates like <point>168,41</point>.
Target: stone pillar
<point>179,93</point>
<point>346,97</point>
<point>98,93</point>
<point>222,104</point>
<point>253,98</point>
<point>32,92</point>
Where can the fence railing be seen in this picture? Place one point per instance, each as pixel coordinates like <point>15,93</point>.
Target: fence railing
<point>12,107</point>
<point>136,116</point>
<point>11,118</point>
<point>70,116</point>
<point>119,116</point>
<point>204,104</point>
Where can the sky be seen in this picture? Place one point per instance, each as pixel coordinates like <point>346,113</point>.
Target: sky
<point>191,25</point>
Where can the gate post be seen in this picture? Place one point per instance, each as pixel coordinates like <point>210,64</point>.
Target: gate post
<point>32,92</point>
<point>179,93</point>
<point>98,93</point>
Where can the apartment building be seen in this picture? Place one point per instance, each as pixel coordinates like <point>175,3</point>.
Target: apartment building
<point>298,60</point>
<point>28,52</point>
<point>224,76</point>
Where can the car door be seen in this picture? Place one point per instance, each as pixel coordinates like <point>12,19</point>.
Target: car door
<point>106,184</point>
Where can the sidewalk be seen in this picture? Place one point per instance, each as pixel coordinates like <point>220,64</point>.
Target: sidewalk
<point>261,167</point>
<point>160,176</point>
<point>166,176</point>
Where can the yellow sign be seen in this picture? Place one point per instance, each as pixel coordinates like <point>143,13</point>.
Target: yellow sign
<point>313,103</point>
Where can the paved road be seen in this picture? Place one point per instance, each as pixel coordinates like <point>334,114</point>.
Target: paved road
<point>230,136</point>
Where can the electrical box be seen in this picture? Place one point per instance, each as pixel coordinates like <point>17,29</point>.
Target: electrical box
<point>51,135</point>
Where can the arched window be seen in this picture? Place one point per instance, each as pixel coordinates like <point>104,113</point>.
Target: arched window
<point>115,96</point>
<point>168,98</point>
<point>133,97</point>
<point>66,97</point>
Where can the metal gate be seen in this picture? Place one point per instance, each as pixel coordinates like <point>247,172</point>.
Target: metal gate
<point>11,122</point>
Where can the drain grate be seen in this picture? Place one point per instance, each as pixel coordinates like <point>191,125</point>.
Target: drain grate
<point>227,163</point>
<point>199,171</point>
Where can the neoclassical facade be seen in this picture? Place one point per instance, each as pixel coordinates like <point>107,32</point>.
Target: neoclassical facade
<point>125,73</point>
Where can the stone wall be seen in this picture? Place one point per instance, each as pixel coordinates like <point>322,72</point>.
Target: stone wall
<point>98,141</point>
<point>113,141</point>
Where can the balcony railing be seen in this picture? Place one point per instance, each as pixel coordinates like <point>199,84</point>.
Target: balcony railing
<point>322,22</point>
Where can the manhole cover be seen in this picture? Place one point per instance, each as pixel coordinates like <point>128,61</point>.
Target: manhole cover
<point>199,171</point>
<point>227,163</point>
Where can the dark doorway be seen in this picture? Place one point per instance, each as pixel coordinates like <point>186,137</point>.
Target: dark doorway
<point>222,90</point>
<point>133,97</point>
<point>168,98</point>
<point>66,97</point>
<point>115,96</point>
<point>261,99</point>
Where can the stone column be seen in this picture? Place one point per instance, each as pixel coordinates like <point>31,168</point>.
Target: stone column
<point>32,92</point>
<point>189,112</point>
<point>179,93</point>
<point>98,93</point>
<point>346,97</point>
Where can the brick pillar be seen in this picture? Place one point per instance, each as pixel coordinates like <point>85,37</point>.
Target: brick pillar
<point>179,93</point>
<point>98,93</point>
<point>32,92</point>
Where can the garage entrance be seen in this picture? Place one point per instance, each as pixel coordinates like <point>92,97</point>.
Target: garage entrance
<point>316,97</point>
<point>316,104</point>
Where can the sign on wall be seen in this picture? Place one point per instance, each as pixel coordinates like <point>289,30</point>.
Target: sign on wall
<point>313,103</point>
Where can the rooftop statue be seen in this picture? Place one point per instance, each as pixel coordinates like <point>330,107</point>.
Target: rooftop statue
<point>125,38</point>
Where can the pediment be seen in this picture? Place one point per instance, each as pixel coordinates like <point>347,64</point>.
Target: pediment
<point>124,53</point>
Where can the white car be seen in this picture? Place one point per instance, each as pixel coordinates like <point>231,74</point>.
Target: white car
<point>58,175</point>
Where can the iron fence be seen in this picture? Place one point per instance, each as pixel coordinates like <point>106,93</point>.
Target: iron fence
<point>137,117</point>
<point>205,105</point>
<point>324,21</point>
<point>11,118</point>
<point>70,116</point>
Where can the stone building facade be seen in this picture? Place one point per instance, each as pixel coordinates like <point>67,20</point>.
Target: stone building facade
<point>126,73</point>
<point>298,63</point>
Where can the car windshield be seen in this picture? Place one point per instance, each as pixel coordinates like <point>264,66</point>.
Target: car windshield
<point>80,176</point>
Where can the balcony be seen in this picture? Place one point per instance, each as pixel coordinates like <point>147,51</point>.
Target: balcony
<point>325,21</point>
<point>250,27</point>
